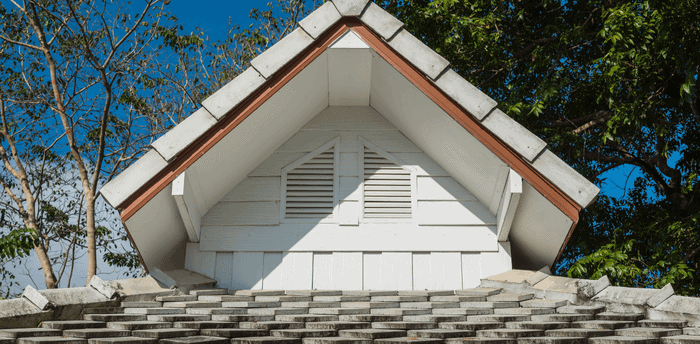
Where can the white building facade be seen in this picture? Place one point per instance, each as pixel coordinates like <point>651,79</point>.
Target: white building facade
<point>349,156</point>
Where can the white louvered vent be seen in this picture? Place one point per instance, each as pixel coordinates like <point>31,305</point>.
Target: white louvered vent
<point>310,187</point>
<point>387,187</point>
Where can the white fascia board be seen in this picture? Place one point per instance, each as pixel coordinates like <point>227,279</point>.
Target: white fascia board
<point>467,95</point>
<point>350,8</point>
<point>187,205</point>
<point>566,178</point>
<point>227,97</point>
<point>509,203</point>
<point>381,21</point>
<point>130,180</point>
<point>274,58</point>
<point>186,132</point>
<point>320,20</point>
<point>420,55</point>
<point>515,135</point>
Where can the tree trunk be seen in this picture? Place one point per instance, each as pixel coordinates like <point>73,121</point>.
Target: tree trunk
<point>92,249</point>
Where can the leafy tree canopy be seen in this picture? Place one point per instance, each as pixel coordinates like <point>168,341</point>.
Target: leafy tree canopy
<point>611,86</point>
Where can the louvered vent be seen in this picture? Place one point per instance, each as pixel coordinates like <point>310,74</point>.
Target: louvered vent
<point>310,188</point>
<point>387,190</point>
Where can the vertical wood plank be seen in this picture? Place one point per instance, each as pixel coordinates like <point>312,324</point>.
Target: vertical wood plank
<point>323,271</point>
<point>247,270</point>
<point>349,213</point>
<point>446,270</point>
<point>494,263</point>
<point>421,271</point>
<point>347,271</point>
<point>471,269</point>
<point>396,271</point>
<point>272,270</point>
<point>200,262</point>
<point>297,270</point>
<point>223,273</point>
<point>348,164</point>
<point>372,271</point>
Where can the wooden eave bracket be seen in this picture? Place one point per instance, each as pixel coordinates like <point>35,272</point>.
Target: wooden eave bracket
<point>187,205</point>
<point>508,205</point>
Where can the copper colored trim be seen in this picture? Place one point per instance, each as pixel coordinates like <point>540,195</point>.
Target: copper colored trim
<point>502,150</point>
<point>198,148</point>
<point>138,253</point>
<point>566,242</point>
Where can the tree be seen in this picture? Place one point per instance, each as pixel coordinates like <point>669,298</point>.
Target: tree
<point>66,63</point>
<point>612,87</point>
<point>87,86</point>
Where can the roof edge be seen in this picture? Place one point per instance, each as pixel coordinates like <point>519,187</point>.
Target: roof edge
<point>565,203</point>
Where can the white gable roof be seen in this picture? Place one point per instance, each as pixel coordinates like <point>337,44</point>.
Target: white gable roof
<point>337,59</point>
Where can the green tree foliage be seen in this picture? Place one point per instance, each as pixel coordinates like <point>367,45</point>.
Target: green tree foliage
<point>612,86</point>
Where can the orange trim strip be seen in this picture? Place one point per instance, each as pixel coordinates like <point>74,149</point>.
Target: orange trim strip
<point>502,150</point>
<point>187,157</point>
<point>198,148</point>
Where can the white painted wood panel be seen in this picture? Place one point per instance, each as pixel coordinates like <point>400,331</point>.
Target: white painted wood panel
<point>442,189</point>
<point>453,213</point>
<point>297,270</point>
<point>470,162</point>
<point>255,189</point>
<point>494,263</point>
<point>273,165</point>
<point>509,204</point>
<point>349,213</point>
<point>348,164</point>
<point>391,141</point>
<point>272,270</point>
<point>437,271</point>
<point>201,262</point>
<point>161,237</point>
<point>422,278</point>
<point>360,118</point>
<point>323,270</point>
<point>399,237</point>
<point>224,270</point>
<point>422,164</point>
<point>183,194</point>
<point>350,189</point>
<point>372,271</point>
<point>536,230</point>
<point>247,270</point>
<point>347,271</point>
<point>471,269</point>
<point>255,139</point>
<point>349,72</point>
<point>446,270</point>
<point>396,271</point>
<point>243,213</point>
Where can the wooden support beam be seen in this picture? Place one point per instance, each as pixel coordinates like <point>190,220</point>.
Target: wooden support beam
<point>509,203</point>
<point>187,205</point>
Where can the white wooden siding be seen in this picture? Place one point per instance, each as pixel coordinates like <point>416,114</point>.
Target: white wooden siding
<point>243,213</point>
<point>255,189</point>
<point>297,270</point>
<point>357,270</point>
<point>247,270</point>
<point>223,273</point>
<point>401,237</point>
<point>200,261</point>
<point>272,270</point>
<point>450,236</point>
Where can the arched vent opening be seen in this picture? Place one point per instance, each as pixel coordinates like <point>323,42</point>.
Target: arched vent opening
<point>387,186</point>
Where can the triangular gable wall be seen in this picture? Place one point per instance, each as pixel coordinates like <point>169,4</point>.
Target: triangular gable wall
<point>440,223</point>
<point>550,188</point>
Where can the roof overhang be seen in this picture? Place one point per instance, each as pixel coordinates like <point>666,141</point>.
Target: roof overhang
<point>552,193</point>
